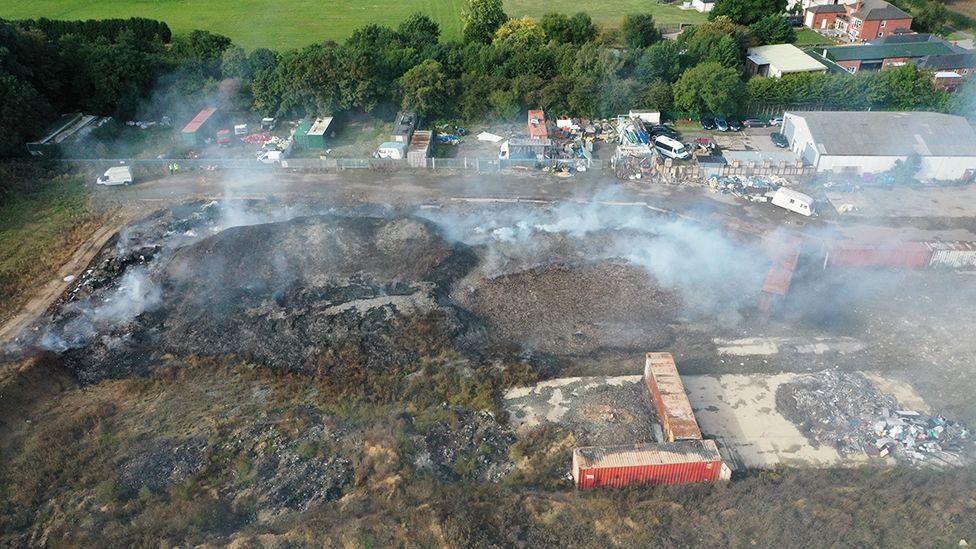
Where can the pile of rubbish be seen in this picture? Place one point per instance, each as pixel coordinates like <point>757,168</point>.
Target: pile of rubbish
<point>146,124</point>
<point>257,139</point>
<point>846,411</point>
<point>450,134</point>
<point>753,189</point>
<point>626,166</point>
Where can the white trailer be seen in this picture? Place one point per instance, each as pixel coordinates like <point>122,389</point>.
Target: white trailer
<point>793,201</point>
<point>118,175</point>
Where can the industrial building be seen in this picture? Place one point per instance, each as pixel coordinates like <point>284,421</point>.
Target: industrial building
<point>775,60</point>
<point>871,142</point>
<point>648,464</point>
<point>69,130</point>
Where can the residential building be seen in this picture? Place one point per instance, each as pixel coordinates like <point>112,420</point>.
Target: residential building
<point>860,21</point>
<point>949,62</point>
<point>856,143</point>
<point>776,60</point>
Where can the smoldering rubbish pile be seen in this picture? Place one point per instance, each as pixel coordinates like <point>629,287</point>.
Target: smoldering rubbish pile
<point>846,411</point>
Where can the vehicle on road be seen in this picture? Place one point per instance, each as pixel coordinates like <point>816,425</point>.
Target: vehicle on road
<point>118,175</point>
<point>671,148</point>
<point>735,125</point>
<point>755,123</point>
<point>721,124</point>
<point>779,140</point>
<point>707,123</point>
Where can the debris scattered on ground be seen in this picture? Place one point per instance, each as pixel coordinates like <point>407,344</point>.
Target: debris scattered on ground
<point>846,411</point>
<point>753,189</point>
<point>596,410</point>
<point>473,445</point>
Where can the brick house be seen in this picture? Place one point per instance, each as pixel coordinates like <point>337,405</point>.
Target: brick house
<point>860,21</point>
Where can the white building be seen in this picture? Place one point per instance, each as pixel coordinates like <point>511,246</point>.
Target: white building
<point>775,60</point>
<point>871,142</point>
<point>703,6</point>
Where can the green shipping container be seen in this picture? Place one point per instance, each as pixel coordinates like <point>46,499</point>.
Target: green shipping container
<point>301,133</point>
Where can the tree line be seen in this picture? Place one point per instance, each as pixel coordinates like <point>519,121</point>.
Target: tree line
<point>499,67</point>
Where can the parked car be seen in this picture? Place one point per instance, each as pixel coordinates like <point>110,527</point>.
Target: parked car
<point>779,140</point>
<point>776,121</point>
<point>735,125</point>
<point>666,131</point>
<point>721,124</point>
<point>707,123</point>
<point>754,123</point>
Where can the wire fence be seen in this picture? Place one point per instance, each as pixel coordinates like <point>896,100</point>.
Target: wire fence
<point>340,164</point>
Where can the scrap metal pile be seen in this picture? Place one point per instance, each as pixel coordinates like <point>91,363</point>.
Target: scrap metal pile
<point>753,189</point>
<point>846,411</point>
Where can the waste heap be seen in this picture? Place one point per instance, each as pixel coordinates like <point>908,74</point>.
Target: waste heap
<point>846,411</point>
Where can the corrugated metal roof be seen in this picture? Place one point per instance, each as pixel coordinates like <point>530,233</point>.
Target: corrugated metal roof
<point>785,57</point>
<point>659,368</point>
<point>320,126</point>
<point>199,120</point>
<point>880,133</point>
<point>864,52</point>
<point>635,455</point>
<point>420,140</point>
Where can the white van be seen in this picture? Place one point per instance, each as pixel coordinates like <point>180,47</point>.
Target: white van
<point>793,201</point>
<point>119,175</point>
<point>671,148</point>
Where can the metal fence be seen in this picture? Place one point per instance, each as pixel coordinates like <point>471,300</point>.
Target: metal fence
<point>337,164</point>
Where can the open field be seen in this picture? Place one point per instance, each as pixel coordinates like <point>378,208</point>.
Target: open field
<point>259,23</point>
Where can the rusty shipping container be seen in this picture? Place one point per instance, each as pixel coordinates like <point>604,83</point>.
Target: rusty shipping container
<point>847,253</point>
<point>670,400</point>
<point>669,463</point>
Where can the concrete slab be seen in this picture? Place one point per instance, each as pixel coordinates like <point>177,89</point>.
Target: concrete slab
<point>908,202</point>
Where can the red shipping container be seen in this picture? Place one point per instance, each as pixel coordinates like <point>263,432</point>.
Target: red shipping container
<point>538,129</point>
<point>670,400</point>
<point>669,463</point>
<point>912,255</point>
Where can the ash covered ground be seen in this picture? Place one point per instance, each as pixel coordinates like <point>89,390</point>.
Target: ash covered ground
<point>300,289</point>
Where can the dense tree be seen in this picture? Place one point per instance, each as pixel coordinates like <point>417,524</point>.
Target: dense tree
<point>905,88</point>
<point>481,19</point>
<point>719,40</point>
<point>419,31</point>
<point>638,31</point>
<point>426,89</point>
<point>658,96</point>
<point>21,107</point>
<point>524,33</point>
<point>709,88</point>
<point>577,29</point>
<point>747,12</point>
<point>662,61</point>
<point>774,29</point>
<point>930,17</point>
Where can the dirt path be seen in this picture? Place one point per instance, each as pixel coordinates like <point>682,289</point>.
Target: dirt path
<point>48,293</point>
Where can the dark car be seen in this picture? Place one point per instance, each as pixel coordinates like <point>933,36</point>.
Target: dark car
<point>721,124</point>
<point>735,125</point>
<point>755,123</point>
<point>779,140</point>
<point>661,129</point>
<point>707,123</point>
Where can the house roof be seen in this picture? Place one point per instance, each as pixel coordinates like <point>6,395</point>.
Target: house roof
<point>785,57</point>
<point>879,10</point>
<point>827,8</point>
<point>948,61</point>
<point>887,51</point>
<point>903,38</point>
<point>879,133</point>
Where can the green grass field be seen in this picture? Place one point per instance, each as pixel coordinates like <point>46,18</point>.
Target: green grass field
<point>295,23</point>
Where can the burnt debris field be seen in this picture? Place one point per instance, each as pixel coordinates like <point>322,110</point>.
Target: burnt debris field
<point>248,371</point>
